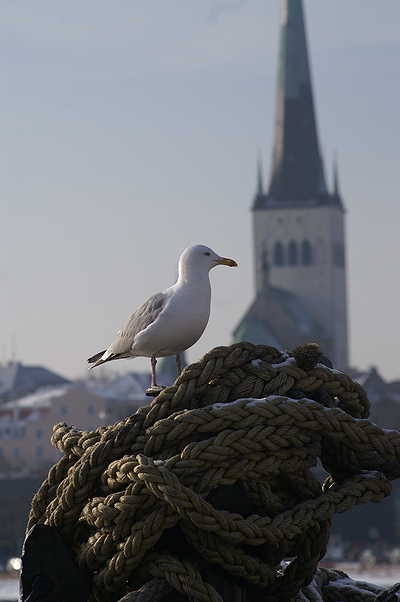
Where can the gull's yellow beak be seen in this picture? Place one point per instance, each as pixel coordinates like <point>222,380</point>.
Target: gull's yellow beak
<point>225,261</point>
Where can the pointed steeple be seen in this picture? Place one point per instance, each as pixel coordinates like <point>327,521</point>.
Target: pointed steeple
<point>297,171</point>
<point>336,190</point>
<point>260,185</point>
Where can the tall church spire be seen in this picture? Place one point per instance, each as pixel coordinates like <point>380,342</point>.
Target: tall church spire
<point>297,171</point>
<point>336,191</point>
<point>298,226</point>
<point>260,185</point>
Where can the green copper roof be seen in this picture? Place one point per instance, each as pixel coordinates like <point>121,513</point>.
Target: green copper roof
<point>273,308</point>
<point>297,172</point>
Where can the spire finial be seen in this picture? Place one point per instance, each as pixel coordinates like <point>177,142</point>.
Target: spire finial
<point>260,185</point>
<point>336,191</point>
<point>296,170</point>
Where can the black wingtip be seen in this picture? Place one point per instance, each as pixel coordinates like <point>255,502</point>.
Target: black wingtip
<point>94,358</point>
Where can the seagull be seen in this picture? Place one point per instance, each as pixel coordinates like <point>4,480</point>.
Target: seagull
<point>173,320</point>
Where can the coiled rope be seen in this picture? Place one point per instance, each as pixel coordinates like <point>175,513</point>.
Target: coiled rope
<point>132,500</point>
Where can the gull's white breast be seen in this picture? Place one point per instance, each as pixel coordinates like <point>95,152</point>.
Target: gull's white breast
<point>180,324</point>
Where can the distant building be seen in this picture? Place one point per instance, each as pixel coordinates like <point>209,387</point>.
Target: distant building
<point>371,523</point>
<point>384,398</point>
<point>129,388</point>
<point>26,424</point>
<point>17,380</point>
<point>298,225</point>
<point>26,427</point>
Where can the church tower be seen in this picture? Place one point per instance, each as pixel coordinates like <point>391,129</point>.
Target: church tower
<point>298,226</point>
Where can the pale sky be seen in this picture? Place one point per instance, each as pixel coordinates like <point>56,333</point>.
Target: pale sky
<point>131,129</point>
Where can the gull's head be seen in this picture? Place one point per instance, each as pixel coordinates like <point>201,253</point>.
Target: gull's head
<point>202,258</point>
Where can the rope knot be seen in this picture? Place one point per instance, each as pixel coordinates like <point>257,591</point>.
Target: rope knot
<point>307,356</point>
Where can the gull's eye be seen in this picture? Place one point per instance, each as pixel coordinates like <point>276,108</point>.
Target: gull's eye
<point>207,253</point>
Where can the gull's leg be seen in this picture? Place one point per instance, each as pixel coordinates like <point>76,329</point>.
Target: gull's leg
<point>153,370</point>
<point>178,364</point>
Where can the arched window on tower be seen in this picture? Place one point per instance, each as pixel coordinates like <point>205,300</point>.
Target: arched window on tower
<point>292,253</point>
<point>306,253</point>
<point>279,254</point>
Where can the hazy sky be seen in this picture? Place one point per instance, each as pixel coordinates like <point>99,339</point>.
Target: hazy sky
<point>130,130</point>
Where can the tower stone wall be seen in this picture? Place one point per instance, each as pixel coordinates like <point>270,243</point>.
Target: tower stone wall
<point>305,249</point>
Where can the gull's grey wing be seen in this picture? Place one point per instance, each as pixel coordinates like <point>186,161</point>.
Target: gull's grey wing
<point>141,318</point>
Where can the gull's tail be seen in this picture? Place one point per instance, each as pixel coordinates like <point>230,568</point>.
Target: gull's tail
<point>99,358</point>
<point>96,359</point>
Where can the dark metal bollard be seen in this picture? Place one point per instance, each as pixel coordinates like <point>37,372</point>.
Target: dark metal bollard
<point>48,571</point>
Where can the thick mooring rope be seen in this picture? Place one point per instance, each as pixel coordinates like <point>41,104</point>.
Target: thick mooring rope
<point>134,500</point>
